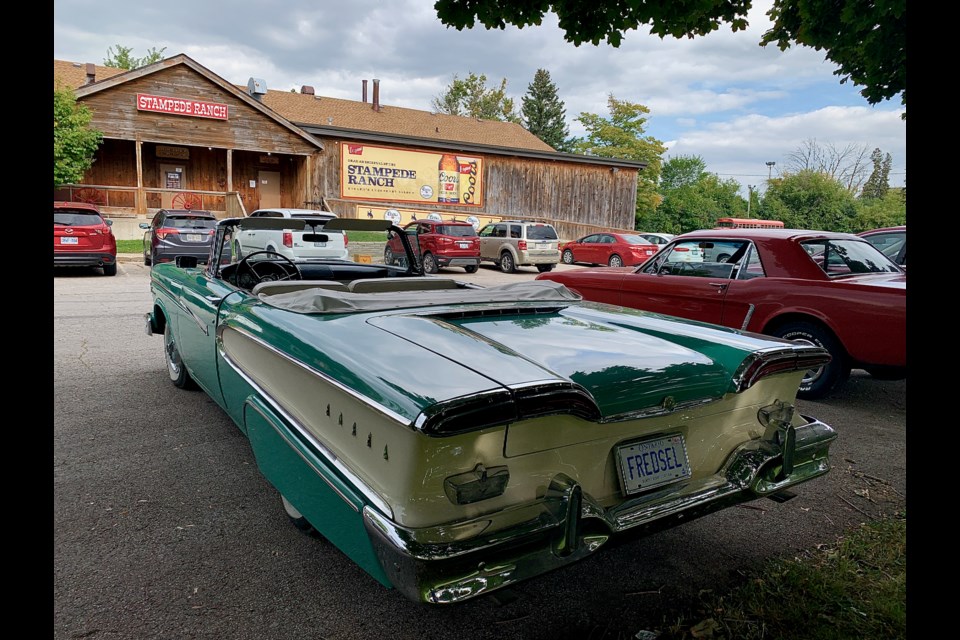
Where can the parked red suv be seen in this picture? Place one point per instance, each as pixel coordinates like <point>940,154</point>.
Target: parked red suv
<point>82,238</point>
<point>440,243</point>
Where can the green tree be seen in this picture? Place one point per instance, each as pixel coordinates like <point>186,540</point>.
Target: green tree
<point>544,112</point>
<point>810,200</point>
<point>621,135</point>
<point>473,98</point>
<point>866,39</point>
<point>74,141</point>
<point>692,197</point>
<point>888,210</point>
<point>121,58</point>
<point>878,183</point>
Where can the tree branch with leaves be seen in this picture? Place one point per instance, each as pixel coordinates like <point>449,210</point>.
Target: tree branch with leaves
<point>74,140</point>
<point>471,97</point>
<point>866,39</point>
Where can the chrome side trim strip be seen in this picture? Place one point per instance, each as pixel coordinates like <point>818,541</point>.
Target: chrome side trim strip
<point>379,408</point>
<point>321,448</point>
<point>303,457</point>
<point>173,297</point>
<point>196,318</point>
<point>746,319</point>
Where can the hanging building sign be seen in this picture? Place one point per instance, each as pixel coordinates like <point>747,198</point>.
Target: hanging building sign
<point>179,153</point>
<point>182,106</point>
<point>371,172</point>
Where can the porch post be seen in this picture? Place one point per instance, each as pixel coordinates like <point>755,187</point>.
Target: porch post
<point>229,170</point>
<point>141,204</point>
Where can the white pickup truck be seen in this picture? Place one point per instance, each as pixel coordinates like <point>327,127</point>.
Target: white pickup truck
<point>290,243</point>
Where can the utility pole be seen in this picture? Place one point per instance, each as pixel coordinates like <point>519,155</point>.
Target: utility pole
<point>770,164</point>
<point>749,197</point>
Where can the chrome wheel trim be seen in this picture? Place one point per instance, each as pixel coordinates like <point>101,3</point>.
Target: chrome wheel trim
<point>812,375</point>
<point>172,355</point>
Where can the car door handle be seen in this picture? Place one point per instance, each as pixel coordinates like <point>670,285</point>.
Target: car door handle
<point>213,298</point>
<point>719,285</point>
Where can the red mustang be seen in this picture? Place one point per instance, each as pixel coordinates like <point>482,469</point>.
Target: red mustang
<point>835,290</point>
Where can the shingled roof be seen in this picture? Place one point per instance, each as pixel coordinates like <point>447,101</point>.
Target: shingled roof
<point>320,111</point>
<point>74,74</point>
<point>336,113</point>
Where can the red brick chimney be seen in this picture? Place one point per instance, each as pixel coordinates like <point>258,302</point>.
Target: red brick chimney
<point>376,95</point>
<point>307,90</point>
<point>364,90</point>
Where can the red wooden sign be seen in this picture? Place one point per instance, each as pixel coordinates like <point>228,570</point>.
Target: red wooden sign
<point>181,106</point>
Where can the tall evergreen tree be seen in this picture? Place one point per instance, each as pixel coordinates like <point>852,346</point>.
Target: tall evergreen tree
<point>543,112</point>
<point>878,183</point>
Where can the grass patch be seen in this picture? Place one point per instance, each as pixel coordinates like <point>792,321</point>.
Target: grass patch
<point>367,236</point>
<point>130,246</point>
<point>855,588</point>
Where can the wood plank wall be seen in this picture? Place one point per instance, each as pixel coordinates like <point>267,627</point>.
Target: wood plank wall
<point>596,197</point>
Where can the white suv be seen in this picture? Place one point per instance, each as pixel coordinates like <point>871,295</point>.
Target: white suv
<point>290,243</point>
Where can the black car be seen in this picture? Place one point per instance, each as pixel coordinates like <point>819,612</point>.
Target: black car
<point>178,232</point>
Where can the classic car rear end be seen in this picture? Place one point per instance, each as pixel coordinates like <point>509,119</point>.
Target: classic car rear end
<point>453,440</point>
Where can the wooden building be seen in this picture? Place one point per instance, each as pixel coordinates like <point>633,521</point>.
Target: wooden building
<point>177,135</point>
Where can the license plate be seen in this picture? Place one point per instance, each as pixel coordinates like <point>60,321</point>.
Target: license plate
<point>192,237</point>
<point>652,463</point>
<point>68,240</point>
<point>319,244</point>
<point>463,245</point>
<point>543,245</point>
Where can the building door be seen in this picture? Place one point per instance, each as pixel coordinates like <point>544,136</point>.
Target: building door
<point>172,176</point>
<point>269,183</point>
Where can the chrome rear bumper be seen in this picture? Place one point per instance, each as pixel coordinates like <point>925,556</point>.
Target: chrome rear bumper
<point>457,561</point>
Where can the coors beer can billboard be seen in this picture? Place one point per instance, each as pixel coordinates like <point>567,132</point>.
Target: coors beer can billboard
<point>370,172</point>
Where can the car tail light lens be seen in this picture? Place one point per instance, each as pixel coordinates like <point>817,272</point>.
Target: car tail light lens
<point>287,239</point>
<point>163,232</point>
<point>522,245</point>
<point>346,240</point>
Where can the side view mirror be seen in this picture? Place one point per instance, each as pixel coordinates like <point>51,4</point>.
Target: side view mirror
<point>186,262</point>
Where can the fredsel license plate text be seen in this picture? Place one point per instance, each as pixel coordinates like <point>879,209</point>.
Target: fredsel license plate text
<point>644,465</point>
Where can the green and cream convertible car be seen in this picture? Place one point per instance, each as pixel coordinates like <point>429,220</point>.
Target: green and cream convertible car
<point>453,439</point>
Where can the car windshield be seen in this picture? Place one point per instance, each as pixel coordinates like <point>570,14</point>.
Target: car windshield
<point>459,230</point>
<point>369,240</point>
<point>632,239</point>
<point>845,257</point>
<point>541,232</point>
<point>76,218</point>
<point>888,243</point>
<point>190,222</point>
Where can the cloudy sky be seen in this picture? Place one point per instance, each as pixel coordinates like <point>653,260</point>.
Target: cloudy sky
<point>722,97</point>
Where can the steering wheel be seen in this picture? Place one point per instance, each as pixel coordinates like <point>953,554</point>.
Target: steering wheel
<point>285,270</point>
